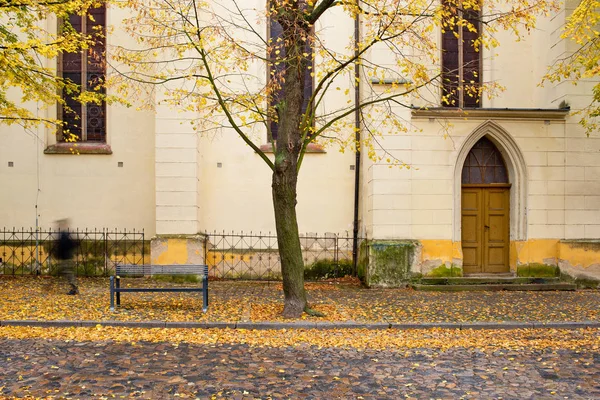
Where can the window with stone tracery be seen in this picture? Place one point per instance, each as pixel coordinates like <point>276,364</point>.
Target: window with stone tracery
<point>484,164</point>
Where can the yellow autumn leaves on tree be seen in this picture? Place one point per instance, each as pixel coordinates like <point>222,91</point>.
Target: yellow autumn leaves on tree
<point>33,35</point>
<point>582,57</point>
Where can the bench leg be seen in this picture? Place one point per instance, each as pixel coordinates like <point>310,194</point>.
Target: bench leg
<point>112,293</point>
<point>205,293</point>
<point>118,293</point>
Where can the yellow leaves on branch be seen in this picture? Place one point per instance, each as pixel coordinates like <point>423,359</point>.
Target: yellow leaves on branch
<point>581,29</point>
<point>217,62</point>
<point>28,51</point>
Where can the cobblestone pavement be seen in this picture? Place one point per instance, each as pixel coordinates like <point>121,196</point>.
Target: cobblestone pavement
<point>58,369</point>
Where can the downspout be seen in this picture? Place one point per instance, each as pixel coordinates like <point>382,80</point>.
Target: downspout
<point>357,139</point>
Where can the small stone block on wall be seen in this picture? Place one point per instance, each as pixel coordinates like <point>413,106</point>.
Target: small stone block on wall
<point>387,263</point>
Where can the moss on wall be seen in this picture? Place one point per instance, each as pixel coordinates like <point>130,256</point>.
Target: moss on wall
<point>587,244</point>
<point>585,282</point>
<point>328,269</point>
<point>538,270</point>
<point>444,271</point>
<point>363,261</point>
<point>390,263</point>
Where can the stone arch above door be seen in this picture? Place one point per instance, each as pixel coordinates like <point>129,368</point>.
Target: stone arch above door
<point>517,176</point>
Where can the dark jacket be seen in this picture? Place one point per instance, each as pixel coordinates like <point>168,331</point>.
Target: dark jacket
<point>65,246</point>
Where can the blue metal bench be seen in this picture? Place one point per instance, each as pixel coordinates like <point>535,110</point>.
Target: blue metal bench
<point>122,270</point>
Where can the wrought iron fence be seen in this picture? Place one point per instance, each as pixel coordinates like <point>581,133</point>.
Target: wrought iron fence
<point>24,252</point>
<point>228,255</point>
<point>256,255</point>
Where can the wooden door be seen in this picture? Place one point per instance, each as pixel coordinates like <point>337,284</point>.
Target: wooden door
<point>485,229</point>
<point>472,234</point>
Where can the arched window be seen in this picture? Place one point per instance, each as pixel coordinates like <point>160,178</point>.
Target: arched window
<point>484,164</point>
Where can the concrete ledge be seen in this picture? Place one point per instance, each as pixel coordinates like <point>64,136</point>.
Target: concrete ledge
<point>425,325</point>
<point>352,325</point>
<point>567,325</point>
<point>498,325</point>
<point>200,325</point>
<point>89,324</point>
<point>134,324</point>
<point>42,324</point>
<point>496,287</point>
<point>262,325</point>
<point>309,325</point>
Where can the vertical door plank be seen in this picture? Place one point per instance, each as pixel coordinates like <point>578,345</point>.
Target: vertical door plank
<point>471,237</point>
<point>496,230</point>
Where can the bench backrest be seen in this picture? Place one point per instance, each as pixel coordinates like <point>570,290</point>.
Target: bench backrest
<point>175,269</point>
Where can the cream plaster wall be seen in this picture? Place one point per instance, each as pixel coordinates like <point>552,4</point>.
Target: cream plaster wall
<point>90,189</point>
<point>237,194</point>
<point>235,183</point>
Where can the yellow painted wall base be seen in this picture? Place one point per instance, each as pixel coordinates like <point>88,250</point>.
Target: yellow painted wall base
<point>180,250</point>
<point>573,257</point>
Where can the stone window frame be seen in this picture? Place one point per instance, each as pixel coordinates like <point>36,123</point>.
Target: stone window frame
<point>517,177</point>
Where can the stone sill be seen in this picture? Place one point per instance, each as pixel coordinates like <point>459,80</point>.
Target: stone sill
<point>78,148</point>
<point>559,114</point>
<point>311,148</point>
<point>390,82</point>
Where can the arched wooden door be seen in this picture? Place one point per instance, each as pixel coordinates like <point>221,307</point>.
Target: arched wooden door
<point>485,210</point>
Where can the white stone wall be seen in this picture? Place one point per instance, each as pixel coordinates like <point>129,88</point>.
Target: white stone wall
<point>563,188</point>
<point>177,180</point>
<point>235,183</point>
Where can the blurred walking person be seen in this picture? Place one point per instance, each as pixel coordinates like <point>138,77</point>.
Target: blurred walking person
<point>65,247</point>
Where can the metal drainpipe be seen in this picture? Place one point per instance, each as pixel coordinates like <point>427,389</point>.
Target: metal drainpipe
<point>357,152</point>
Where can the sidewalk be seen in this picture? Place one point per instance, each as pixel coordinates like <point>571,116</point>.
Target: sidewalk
<point>257,305</point>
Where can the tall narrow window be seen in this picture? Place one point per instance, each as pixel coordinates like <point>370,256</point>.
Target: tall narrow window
<point>87,68</point>
<point>461,64</point>
<point>277,67</point>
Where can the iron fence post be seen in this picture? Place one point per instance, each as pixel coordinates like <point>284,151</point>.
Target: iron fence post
<point>143,246</point>
<point>106,258</point>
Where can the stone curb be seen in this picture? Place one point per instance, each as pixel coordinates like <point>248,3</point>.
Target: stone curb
<point>307,325</point>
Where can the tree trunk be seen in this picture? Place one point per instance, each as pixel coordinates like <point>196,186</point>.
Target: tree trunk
<point>287,150</point>
<point>290,252</point>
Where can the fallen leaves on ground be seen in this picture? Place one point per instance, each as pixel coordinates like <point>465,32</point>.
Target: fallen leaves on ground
<point>273,312</point>
<point>362,339</point>
<point>35,298</point>
<point>319,286</point>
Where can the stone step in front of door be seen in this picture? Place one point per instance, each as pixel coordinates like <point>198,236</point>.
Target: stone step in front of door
<point>494,287</point>
<point>487,280</point>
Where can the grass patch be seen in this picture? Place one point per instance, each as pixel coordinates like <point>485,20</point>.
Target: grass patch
<point>537,270</point>
<point>445,271</point>
<point>328,269</point>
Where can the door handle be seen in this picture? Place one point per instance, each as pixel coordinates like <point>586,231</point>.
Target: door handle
<point>487,226</point>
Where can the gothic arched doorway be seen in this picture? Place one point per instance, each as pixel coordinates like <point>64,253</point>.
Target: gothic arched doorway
<point>485,214</point>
